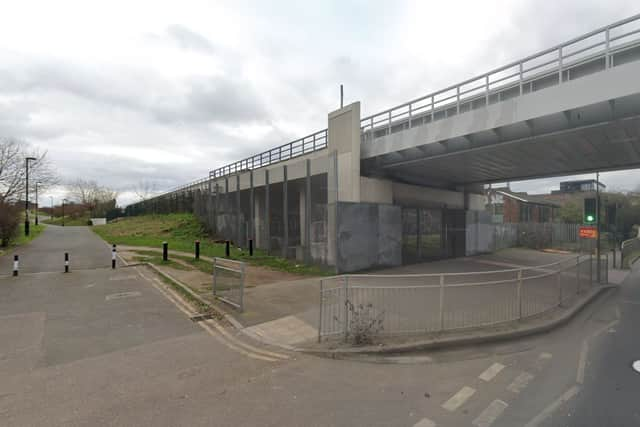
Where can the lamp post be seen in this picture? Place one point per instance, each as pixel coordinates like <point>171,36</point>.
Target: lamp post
<point>37,205</point>
<point>63,202</point>
<point>51,215</point>
<point>26,199</point>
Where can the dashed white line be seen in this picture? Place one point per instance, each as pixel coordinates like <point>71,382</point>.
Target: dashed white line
<point>546,412</point>
<point>520,382</point>
<point>491,372</point>
<point>458,399</point>
<point>490,414</point>
<point>425,422</point>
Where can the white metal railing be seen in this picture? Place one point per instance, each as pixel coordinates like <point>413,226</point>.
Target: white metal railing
<point>308,144</point>
<point>629,247</point>
<point>428,303</point>
<point>549,67</point>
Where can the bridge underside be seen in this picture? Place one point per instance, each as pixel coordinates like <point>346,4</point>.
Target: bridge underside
<point>601,137</point>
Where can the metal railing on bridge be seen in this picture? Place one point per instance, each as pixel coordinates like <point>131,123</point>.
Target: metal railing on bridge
<point>431,303</point>
<point>591,52</point>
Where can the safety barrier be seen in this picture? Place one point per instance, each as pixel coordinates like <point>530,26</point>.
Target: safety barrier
<point>426,303</point>
<point>228,281</point>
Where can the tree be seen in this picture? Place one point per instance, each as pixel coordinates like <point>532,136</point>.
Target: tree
<point>570,213</point>
<point>145,189</point>
<point>13,153</point>
<point>93,197</point>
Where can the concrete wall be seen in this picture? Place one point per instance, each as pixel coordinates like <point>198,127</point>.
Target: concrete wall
<point>373,190</point>
<point>344,138</point>
<point>417,196</point>
<point>369,235</point>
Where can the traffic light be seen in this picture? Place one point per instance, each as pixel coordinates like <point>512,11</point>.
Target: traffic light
<point>590,211</point>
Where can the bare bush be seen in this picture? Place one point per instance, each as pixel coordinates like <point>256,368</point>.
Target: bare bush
<point>364,323</point>
<point>9,221</point>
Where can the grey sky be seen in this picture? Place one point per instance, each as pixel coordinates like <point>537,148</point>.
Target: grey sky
<point>121,92</point>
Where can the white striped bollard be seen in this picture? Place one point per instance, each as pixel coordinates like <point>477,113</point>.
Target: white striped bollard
<point>113,256</point>
<point>15,265</point>
<point>66,262</point>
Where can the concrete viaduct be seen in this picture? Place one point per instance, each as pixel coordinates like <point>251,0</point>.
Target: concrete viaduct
<point>406,184</point>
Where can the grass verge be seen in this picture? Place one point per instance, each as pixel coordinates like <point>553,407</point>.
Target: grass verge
<point>68,221</point>
<point>181,231</point>
<point>21,239</point>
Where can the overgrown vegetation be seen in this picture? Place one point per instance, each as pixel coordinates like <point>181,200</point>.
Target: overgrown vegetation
<point>364,323</point>
<point>181,231</point>
<point>17,235</point>
<point>70,220</point>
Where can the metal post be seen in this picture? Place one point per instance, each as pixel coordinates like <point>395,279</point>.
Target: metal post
<point>252,208</point>
<point>607,63</point>
<point>16,265</point>
<point>458,100</point>
<point>197,249</point>
<point>519,294</point>
<point>341,96</point>
<point>215,275</point>
<point>521,77</point>
<point>320,311</point>
<point>227,251</point>
<point>442,302</point>
<point>285,213</point>
<point>113,256</point>
<point>486,88</point>
<point>346,308</point>
<point>560,65</point>
<point>66,262</point>
<point>37,207</point>
<point>250,247</point>
<point>559,289</point>
<point>242,265</point>
<point>578,275</point>
<point>165,251</point>
<point>590,264</point>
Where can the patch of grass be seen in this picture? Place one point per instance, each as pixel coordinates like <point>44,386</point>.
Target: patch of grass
<point>196,303</point>
<point>156,259</point>
<point>181,231</point>
<point>21,239</point>
<point>68,221</point>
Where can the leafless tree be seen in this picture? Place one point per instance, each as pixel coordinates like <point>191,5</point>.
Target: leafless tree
<point>13,153</point>
<point>88,192</point>
<point>145,189</point>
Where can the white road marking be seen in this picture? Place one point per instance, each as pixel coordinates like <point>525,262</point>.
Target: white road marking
<point>636,366</point>
<point>520,382</point>
<point>626,301</point>
<point>458,399</point>
<point>491,372</point>
<point>582,362</point>
<point>546,412</point>
<point>545,356</point>
<point>490,414</point>
<point>425,422</point>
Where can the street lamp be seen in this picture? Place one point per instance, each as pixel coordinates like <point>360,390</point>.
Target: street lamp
<point>63,202</point>
<point>51,215</point>
<point>26,201</point>
<point>37,205</point>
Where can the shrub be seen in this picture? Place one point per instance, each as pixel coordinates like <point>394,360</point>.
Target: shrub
<point>9,221</point>
<point>364,324</point>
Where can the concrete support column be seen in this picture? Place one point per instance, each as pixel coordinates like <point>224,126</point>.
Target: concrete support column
<point>251,233</point>
<point>285,213</point>
<point>307,217</point>
<point>238,211</point>
<point>267,213</point>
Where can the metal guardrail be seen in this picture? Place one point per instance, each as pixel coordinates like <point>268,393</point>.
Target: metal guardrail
<point>299,147</point>
<point>628,247</point>
<point>428,303</point>
<point>228,281</point>
<point>514,79</point>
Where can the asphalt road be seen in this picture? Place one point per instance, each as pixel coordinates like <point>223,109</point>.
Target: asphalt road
<point>97,347</point>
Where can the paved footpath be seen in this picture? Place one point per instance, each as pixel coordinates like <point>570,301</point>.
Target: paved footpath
<point>98,347</point>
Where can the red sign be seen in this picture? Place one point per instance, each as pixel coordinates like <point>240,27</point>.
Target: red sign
<point>588,232</point>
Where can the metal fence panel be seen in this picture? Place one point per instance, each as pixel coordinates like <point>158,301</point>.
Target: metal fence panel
<point>228,281</point>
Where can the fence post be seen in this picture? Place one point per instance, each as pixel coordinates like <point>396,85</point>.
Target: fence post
<point>242,287</point>
<point>346,308</point>
<point>320,311</point>
<point>519,293</point>
<point>215,275</point>
<point>578,275</point>
<point>442,302</point>
<point>559,289</point>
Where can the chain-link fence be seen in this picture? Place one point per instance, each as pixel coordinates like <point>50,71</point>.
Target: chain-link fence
<point>424,303</point>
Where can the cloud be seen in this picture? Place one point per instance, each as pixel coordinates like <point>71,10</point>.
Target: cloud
<point>190,40</point>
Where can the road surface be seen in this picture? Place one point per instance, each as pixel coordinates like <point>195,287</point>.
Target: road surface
<point>97,347</point>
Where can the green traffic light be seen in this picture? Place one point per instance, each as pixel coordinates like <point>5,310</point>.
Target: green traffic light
<point>590,218</point>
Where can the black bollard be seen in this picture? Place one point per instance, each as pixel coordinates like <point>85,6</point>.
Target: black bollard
<point>66,262</point>
<point>113,256</point>
<point>197,249</point>
<point>226,249</point>
<point>165,251</point>
<point>250,247</point>
<point>15,265</point>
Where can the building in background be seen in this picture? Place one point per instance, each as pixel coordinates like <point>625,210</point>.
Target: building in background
<point>507,206</point>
